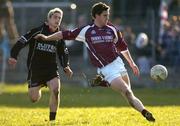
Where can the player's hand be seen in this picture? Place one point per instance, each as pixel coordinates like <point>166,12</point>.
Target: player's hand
<point>135,69</point>
<point>12,62</point>
<point>68,71</point>
<point>41,36</point>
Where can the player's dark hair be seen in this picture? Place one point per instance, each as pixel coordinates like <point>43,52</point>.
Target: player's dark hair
<point>98,8</point>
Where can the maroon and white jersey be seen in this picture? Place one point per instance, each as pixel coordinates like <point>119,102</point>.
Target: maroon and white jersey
<point>102,43</point>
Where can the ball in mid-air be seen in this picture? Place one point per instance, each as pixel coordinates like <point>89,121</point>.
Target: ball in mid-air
<point>159,73</point>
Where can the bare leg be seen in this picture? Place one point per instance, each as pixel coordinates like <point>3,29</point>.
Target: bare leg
<point>34,93</point>
<point>122,85</point>
<point>54,87</point>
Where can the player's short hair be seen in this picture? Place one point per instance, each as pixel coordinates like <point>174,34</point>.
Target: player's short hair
<point>52,11</point>
<point>98,8</point>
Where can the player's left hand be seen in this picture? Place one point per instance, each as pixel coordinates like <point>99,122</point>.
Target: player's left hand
<point>12,62</point>
<point>135,69</point>
<point>68,71</point>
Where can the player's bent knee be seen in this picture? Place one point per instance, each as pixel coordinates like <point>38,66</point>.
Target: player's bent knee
<point>34,98</point>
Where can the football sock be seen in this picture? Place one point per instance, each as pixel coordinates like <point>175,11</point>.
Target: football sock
<point>144,111</point>
<point>148,115</point>
<point>52,116</point>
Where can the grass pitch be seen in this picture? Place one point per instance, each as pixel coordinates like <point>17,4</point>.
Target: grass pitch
<point>88,107</point>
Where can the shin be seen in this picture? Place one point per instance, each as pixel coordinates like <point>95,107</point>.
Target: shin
<point>122,87</point>
<point>54,87</point>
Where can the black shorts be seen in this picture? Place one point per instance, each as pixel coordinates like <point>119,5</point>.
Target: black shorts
<point>40,78</point>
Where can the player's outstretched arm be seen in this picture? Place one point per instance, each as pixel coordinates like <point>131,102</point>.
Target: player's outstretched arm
<point>129,59</point>
<point>53,37</point>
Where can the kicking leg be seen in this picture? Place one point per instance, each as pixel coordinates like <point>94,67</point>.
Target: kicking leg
<point>144,112</point>
<point>122,85</point>
<point>54,87</point>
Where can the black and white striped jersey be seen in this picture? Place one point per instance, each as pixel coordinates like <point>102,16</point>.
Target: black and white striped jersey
<point>42,54</point>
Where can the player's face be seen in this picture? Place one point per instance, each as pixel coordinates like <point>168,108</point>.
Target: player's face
<point>55,20</point>
<point>103,18</point>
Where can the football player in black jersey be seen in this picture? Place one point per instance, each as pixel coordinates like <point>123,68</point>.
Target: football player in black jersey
<point>41,62</point>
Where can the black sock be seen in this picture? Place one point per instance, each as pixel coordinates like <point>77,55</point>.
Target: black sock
<point>144,111</point>
<point>52,116</point>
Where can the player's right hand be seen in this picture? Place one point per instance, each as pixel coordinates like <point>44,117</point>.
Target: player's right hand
<point>12,62</point>
<point>135,69</point>
<point>68,71</point>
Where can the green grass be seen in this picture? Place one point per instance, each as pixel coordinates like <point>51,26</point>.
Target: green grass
<point>88,107</point>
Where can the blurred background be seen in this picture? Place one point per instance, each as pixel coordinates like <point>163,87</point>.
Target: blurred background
<point>151,29</point>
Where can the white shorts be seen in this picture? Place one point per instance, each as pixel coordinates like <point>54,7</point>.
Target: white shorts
<point>113,70</point>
